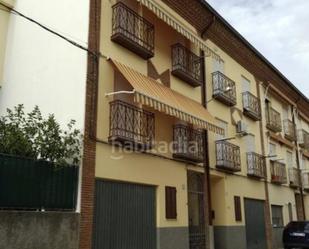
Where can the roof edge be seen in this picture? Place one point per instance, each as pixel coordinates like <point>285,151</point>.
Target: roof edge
<point>251,47</point>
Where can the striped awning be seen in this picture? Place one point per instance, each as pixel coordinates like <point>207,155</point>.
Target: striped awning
<point>161,12</point>
<point>149,92</point>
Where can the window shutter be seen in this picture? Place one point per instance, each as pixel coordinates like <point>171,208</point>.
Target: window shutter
<point>170,203</point>
<point>237,206</point>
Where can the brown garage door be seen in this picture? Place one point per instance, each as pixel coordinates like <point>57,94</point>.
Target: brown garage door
<point>255,224</point>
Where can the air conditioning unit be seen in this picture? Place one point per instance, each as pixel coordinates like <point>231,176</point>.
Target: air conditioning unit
<point>242,127</point>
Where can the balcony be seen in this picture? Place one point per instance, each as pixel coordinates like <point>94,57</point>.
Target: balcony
<point>188,144</point>
<point>278,172</point>
<point>132,31</point>
<point>273,120</point>
<point>130,126</point>
<point>294,177</point>
<point>224,89</point>
<point>303,139</point>
<point>251,105</point>
<point>186,65</point>
<point>256,165</point>
<point>289,130</point>
<point>228,156</point>
<point>305,175</point>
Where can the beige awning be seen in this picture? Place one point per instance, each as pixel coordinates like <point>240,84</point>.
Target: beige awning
<point>162,13</point>
<point>149,92</point>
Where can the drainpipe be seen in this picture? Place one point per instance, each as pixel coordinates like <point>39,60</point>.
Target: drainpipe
<point>207,192</point>
<point>298,165</point>
<point>208,26</point>
<point>267,204</point>
<point>207,185</point>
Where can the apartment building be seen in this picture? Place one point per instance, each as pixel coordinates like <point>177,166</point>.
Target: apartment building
<point>199,141</point>
<point>176,73</point>
<point>192,139</point>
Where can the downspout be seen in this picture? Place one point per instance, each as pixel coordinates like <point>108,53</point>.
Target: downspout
<point>207,185</point>
<point>298,164</point>
<point>203,33</point>
<point>268,226</point>
<point>207,191</point>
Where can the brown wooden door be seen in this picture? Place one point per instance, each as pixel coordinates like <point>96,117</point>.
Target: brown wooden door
<point>255,224</point>
<point>196,209</point>
<point>299,207</point>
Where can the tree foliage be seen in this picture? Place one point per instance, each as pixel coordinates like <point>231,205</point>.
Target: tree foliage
<point>31,135</point>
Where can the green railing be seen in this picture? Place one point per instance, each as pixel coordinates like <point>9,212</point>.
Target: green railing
<point>35,184</point>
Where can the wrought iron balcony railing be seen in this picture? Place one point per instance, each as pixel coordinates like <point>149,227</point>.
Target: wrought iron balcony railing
<point>256,165</point>
<point>186,65</point>
<point>294,175</point>
<point>289,130</point>
<point>228,156</point>
<point>278,172</point>
<point>132,31</point>
<point>303,139</point>
<point>188,143</point>
<point>251,105</point>
<point>131,126</point>
<point>305,179</point>
<point>273,120</point>
<point>224,89</point>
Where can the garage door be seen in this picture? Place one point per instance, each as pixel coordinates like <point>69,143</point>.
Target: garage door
<point>124,216</point>
<point>255,224</point>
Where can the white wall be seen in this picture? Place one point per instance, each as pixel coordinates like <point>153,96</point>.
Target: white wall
<point>40,68</point>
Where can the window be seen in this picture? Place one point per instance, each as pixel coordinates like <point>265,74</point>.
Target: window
<point>250,143</point>
<point>272,149</point>
<point>246,87</point>
<point>237,207</point>
<point>170,203</point>
<point>224,125</point>
<point>277,216</point>
<point>299,122</point>
<point>218,66</point>
<point>289,159</point>
<point>285,112</point>
<point>303,163</point>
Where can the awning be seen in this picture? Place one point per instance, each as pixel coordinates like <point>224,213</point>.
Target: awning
<point>149,92</point>
<point>169,19</point>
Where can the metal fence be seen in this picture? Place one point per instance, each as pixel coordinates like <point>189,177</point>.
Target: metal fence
<point>134,28</point>
<point>36,184</point>
<point>186,64</point>
<point>188,143</point>
<point>131,125</point>
<point>228,156</point>
<point>224,89</point>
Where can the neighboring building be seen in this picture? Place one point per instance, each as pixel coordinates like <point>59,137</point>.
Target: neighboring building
<point>192,139</point>
<point>39,68</point>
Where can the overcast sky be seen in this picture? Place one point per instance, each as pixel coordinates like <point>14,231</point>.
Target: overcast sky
<point>279,29</point>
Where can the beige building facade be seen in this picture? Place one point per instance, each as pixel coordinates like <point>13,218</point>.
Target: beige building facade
<point>193,140</point>
<point>194,144</point>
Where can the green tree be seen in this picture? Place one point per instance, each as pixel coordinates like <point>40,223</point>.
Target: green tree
<point>31,135</point>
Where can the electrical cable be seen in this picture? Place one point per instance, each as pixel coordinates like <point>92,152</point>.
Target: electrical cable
<point>13,11</point>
